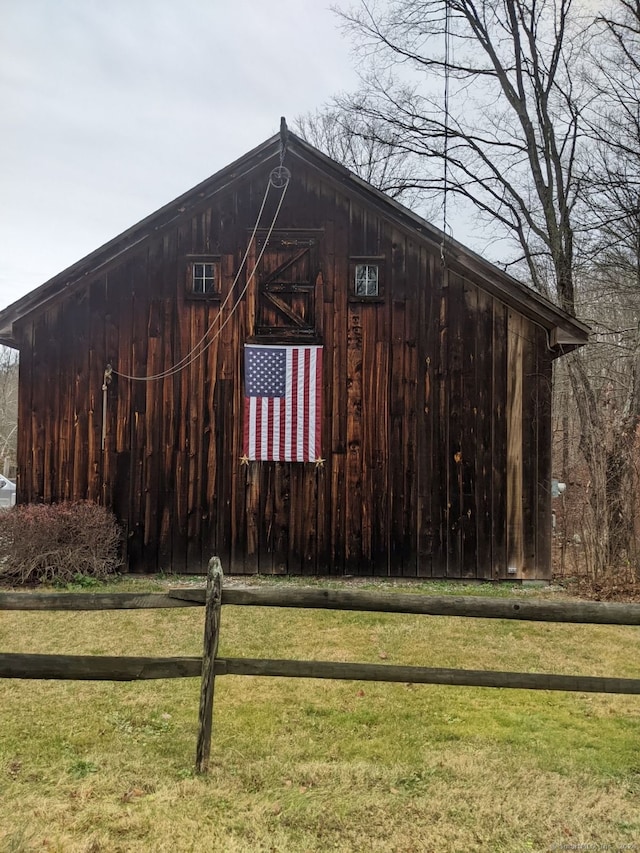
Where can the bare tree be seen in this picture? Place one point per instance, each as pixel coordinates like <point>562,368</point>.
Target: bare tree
<point>614,124</point>
<point>371,150</point>
<point>490,90</point>
<point>613,187</point>
<point>8,405</point>
<point>498,91</point>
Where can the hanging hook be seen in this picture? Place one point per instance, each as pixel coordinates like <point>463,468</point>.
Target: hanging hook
<point>106,381</point>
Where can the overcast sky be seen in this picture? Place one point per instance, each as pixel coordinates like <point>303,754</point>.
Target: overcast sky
<point>111,108</point>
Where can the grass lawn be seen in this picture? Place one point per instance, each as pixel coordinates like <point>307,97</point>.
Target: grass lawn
<point>302,765</point>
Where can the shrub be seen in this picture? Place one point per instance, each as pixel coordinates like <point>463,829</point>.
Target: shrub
<point>41,543</point>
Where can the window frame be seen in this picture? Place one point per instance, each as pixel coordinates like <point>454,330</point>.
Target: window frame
<point>192,262</point>
<point>356,261</point>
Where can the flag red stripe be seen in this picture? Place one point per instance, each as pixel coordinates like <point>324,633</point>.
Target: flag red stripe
<point>318,423</point>
<point>294,405</point>
<point>245,437</point>
<point>258,423</point>
<point>269,428</point>
<point>283,420</point>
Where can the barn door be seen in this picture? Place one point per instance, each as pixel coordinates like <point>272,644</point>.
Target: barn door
<point>281,499</point>
<point>287,280</point>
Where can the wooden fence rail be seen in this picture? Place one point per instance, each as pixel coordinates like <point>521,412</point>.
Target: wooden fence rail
<point>586,612</point>
<point>91,667</point>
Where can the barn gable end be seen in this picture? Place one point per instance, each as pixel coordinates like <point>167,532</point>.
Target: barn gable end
<point>436,391</point>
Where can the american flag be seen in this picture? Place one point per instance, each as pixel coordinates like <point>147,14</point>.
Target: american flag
<point>282,403</point>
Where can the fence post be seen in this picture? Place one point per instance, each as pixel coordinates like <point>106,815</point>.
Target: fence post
<point>210,649</point>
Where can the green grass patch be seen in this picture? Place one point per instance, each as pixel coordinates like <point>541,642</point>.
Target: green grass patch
<point>304,765</point>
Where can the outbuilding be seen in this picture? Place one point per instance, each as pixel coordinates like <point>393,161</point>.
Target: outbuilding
<point>288,369</point>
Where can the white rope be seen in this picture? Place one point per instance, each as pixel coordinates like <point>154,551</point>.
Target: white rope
<point>200,347</point>
<point>172,371</point>
<point>255,266</point>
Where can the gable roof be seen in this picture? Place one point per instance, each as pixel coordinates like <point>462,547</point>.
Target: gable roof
<point>564,331</point>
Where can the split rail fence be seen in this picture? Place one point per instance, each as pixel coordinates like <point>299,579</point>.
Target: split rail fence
<point>207,667</point>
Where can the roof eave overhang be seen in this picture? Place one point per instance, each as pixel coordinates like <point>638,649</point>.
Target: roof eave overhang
<point>564,332</point>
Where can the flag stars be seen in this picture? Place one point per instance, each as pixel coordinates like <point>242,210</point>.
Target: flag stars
<point>265,371</point>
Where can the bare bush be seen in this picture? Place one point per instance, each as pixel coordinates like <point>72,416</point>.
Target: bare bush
<point>41,543</point>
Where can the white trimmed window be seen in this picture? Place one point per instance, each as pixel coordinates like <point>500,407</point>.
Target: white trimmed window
<point>204,277</point>
<point>366,280</point>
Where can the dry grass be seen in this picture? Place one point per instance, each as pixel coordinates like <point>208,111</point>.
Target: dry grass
<point>301,765</point>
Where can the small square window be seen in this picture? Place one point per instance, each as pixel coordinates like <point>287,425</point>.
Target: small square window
<point>203,277</point>
<point>366,280</point>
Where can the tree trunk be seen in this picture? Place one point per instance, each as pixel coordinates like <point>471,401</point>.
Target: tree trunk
<point>593,445</point>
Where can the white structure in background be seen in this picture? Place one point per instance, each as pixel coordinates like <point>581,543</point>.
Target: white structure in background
<point>557,490</point>
<point>7,493</point>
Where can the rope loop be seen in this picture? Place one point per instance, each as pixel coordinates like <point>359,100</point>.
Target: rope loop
<point>279,177</point>
<point>203,344</point>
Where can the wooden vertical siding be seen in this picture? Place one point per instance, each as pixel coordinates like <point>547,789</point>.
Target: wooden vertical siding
<point>436,403</point>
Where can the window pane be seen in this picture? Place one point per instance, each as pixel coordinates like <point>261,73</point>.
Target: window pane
<point>203,278</point>
<point>366,280</point>
<point>361,279</point>
<point>372,280</point>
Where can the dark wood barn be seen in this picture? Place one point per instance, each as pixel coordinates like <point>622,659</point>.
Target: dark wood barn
<point>430,439</point>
